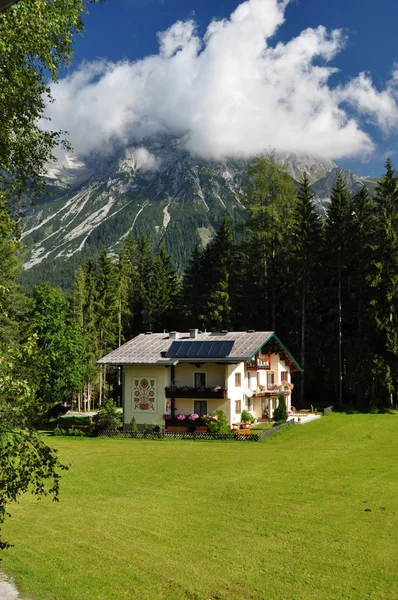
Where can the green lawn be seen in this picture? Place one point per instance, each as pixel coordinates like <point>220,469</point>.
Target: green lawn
<point>311,513</point>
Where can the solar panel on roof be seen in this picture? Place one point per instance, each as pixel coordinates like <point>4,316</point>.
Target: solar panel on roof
<point>219,349</point>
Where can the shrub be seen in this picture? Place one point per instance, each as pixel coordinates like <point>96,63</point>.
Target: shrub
<point>246,417</point>
<point>217,422</point>
<point>280,413</point>
<point>134,427</point>
<point>107,417</point>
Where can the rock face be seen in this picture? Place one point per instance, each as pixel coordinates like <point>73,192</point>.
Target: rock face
<point>156,188</point>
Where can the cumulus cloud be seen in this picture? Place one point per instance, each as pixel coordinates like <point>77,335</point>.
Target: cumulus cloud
<point>231,93</point>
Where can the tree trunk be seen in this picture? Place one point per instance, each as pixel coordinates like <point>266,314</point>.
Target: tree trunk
<point>100,386</point>
<point>79,401</point>
<point>340,393</point>
<point>302,357</point>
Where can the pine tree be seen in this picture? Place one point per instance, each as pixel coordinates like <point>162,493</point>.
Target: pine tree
<point>305,246</point>
<point>164,292</point>
<point>193,289</point>
<point>385,284</point>
<point>217,265</point>
<point>143,315</point>
<point>337,263</point>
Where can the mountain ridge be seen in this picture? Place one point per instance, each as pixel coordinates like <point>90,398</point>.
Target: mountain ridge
<point>154,187</point>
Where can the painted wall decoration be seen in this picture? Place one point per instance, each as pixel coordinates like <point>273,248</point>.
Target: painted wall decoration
<point>144,394</point>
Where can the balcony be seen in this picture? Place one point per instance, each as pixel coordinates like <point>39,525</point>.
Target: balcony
<point>187,391</point>
<point>257,363</point>
<point>273,390</point>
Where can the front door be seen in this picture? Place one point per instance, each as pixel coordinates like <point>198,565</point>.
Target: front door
<point>200,407</point>
<point>264,408</point>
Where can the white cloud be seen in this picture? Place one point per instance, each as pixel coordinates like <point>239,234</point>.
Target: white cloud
<point>228,94</point>
<point>144,160</point>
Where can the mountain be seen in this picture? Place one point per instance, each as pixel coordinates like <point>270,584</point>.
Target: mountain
<point>156,188</point>
<point>323,187</point>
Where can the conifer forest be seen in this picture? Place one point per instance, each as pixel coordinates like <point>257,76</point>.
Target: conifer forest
<point>327,286</point>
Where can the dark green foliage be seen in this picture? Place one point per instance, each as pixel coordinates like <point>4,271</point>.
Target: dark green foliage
<point>134,427</point>
<point>280,413</point>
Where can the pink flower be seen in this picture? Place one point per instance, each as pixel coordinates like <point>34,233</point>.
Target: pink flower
<point>193,417</point>
<point>181,417</point>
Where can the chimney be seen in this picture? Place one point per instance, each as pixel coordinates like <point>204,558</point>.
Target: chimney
<point>193,334</point>
<point>174,335</point>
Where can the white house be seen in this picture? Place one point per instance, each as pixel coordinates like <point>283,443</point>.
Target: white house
<point>184,373</point>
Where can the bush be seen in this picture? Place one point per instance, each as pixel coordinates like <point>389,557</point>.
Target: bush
<point>217,422</point>
<point>70,432</point>
<point>107,417</point>
<point>246,417</point>
<point>280,413</point>
<point>134,427</point>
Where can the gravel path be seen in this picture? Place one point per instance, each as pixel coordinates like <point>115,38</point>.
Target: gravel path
<point>8,591</point>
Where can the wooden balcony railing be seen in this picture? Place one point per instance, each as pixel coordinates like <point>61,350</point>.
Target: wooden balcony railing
<point>187,391</point>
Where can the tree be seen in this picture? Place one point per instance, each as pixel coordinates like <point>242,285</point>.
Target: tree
<point>385,284</point>
<point>217,264</point>
<point>193,289</point>
<point>280,413</point>
<point>305,244</point>
<point>337,262</point>
<point>106,311</point>
<point>165,291</point>
<point>61,346</point>
<point>36,39</point>
<point>269,200</point>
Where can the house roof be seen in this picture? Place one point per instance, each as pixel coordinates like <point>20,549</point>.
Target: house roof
<point>153,348</point>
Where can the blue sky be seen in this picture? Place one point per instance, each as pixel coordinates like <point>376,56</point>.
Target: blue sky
<point>127,30</point>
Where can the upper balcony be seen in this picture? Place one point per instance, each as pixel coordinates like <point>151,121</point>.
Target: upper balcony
<point>187,391</point>
<point>259,362</point>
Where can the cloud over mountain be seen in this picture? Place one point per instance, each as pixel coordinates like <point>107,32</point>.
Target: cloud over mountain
<point>230,93</point>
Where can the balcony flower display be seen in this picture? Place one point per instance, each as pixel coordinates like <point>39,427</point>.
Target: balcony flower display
<point>167,417</point>
<point>193,417</point>
<point>286,386</point>
<point>181,417</point>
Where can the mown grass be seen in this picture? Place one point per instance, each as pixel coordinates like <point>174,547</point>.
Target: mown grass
<point>311,513</point>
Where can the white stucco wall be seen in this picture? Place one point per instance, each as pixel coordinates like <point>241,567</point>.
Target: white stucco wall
<point>161,376</point>
<point>215,374</point>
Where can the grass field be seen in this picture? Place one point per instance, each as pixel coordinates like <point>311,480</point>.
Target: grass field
<point>310,513</point>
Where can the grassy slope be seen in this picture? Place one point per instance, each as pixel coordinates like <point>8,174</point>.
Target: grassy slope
<point>283,519</point>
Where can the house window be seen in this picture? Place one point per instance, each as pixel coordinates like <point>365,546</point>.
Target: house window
<point>238,380</point>
<point>284,376</point>
<point>238,406</point>
<point>200,407</point>
<point>270,379</point>
<point>200,380</point>
<point>249,403</point>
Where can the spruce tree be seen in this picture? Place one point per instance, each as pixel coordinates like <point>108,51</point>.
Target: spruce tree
<point>305,246</point>
<point>337,261</point>
<point>385,285</point>
<point>217,264</point>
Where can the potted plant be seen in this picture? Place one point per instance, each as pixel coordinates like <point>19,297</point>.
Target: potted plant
<point>246,418</point>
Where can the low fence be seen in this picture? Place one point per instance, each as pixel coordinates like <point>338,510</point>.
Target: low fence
<point>328,410</point>
<point>160,435</point>
<point>269,432</point>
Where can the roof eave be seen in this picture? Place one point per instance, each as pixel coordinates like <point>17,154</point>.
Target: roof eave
<point>273,335</point>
